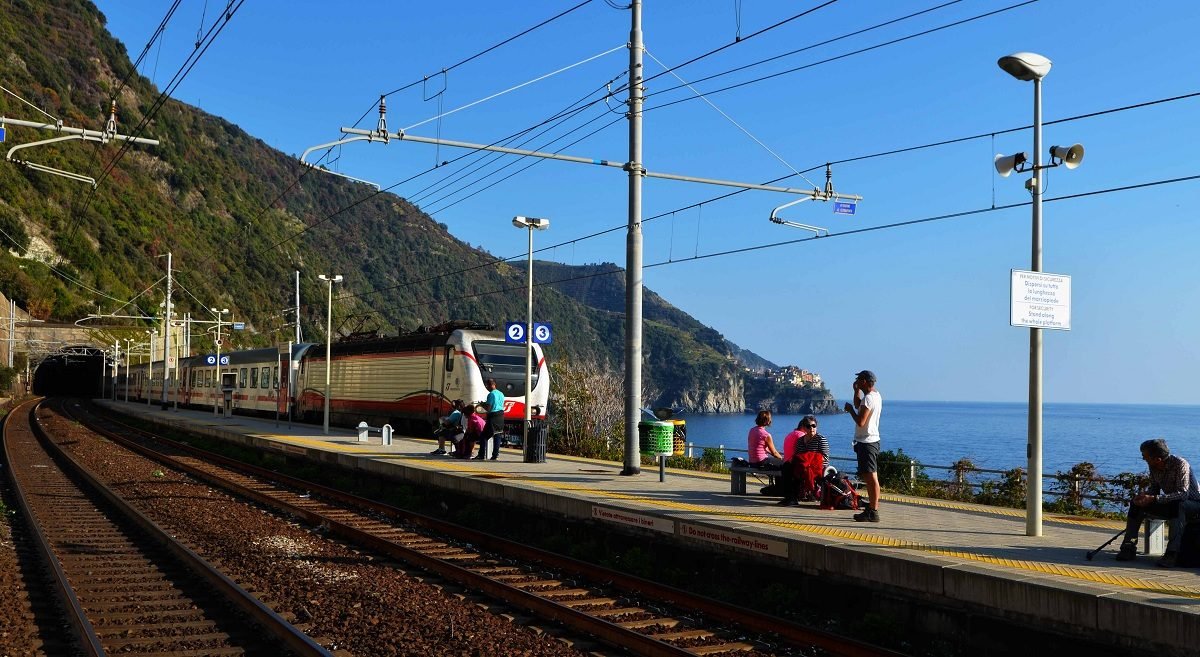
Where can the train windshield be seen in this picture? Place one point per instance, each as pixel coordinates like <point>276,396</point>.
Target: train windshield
<point>506,364</point>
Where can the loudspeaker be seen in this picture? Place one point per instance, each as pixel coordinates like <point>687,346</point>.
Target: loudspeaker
<point>1071,157</point>
<point>1006,164</point>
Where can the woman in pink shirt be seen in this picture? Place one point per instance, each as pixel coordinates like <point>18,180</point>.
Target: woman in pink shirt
<point>761,449</point>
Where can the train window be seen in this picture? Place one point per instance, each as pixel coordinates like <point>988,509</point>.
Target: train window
<point>275,378</point>
<point>266,378</point>
<point>253,377</point>
<point>505,363</point>
<point>207,374</point>
<point>449,358</point>
<point>242,377</point>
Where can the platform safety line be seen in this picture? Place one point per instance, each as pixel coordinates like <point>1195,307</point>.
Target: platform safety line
<point>999,511</point>
<point>1148,586</point>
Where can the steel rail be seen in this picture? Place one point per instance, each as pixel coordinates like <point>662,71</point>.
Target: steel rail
<point>288,634</point>
<point>76,616</point>
<point>749,619</point>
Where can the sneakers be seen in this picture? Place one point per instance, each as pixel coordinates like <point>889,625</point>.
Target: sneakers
<point>868,515</point>
<point>1128,552</point>
<point>438,452</point>
<point>1167,560</point>
<point>787,502</point>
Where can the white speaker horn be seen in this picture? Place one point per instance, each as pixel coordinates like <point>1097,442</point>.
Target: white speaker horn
<point>1071,156</point>
<point>1006,164</point>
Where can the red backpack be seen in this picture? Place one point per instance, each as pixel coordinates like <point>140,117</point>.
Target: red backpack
<point>807,467</point>
<point>838,492</point>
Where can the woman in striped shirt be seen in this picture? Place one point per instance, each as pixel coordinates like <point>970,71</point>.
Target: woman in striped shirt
<point>804,439</point>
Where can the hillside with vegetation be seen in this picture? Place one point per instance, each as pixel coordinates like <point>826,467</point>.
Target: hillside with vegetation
<point>239,217</point>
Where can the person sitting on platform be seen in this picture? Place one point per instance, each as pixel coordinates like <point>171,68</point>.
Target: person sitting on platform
<point>804,440</point>
<point>761,449</point>
<point>1174,496</point>
<point>473,424</point>
<point>450,426</point>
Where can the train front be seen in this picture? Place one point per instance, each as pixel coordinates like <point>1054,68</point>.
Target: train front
<point>505,362</point>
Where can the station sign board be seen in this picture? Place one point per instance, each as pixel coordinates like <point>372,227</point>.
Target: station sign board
<point>844,207</point>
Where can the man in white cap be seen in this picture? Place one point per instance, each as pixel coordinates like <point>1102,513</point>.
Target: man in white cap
<point>865,411</point>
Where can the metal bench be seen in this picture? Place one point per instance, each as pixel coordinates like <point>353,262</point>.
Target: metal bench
<point>737,477</point>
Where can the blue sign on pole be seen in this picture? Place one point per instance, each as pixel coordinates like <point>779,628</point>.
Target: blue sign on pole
<point>542,333</point>
<point>239,326</point>
<point>224,360</point>
<point>841,207</point>
<point>1,134</point>
<point>514,332</point>
<point>210,359</point>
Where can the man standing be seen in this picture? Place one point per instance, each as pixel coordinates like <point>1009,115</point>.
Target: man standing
<point>1173,496</point>
<point>865,411</point>
<point>495,421</point>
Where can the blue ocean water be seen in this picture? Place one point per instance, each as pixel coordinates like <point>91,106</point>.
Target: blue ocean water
<point>992,434</point>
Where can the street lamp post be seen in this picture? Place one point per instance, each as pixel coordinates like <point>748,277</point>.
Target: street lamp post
<point>217,384</point>
<point>328,341</point>
<point>530,455</point>
<point>1032,67</point>
<point>128,347</point>
<point>150,376</point>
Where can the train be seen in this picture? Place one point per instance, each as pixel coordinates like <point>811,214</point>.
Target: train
<point>407,381</point>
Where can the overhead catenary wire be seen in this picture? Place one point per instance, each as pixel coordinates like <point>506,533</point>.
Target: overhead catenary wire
<point>841,56</point>
<point>14,95</point>
<point>845,233</point>
<point>702,203</point>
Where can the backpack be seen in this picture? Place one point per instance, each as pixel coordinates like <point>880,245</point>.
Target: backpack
<point>838,492</point>
<point>807,467</point>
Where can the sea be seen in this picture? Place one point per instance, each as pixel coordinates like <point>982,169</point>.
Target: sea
<point>993,435</point>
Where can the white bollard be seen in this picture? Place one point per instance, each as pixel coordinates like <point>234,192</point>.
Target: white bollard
<point>362,432</point>
<point>387,434</point>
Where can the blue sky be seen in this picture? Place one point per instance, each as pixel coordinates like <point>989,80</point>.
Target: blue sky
<point>925,306</point>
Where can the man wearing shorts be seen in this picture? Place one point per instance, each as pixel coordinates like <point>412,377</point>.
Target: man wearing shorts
<point>865,411</point>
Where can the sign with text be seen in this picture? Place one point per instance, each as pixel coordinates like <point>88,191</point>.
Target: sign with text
<point>514,332</point>
<point>734,539</point>
<point>542,333</point>
<point>842,207</point>
<point>639,520</point>
<point>1040,300</point>
<point>239,326</point>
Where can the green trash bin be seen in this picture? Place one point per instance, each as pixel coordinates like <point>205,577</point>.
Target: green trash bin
<point>657,437</point>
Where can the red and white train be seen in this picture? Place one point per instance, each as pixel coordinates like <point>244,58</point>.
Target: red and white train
<point>406,381</point>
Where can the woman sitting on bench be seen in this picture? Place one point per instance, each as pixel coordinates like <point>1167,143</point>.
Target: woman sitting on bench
<point>760,447</point>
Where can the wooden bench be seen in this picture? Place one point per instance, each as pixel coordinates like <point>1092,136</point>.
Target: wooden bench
<point>737,477</point>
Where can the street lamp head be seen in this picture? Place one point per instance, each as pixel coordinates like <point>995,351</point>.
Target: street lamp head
<point>1025,65</point>
<point>531,222</point>
<point>222,311</point>
<point>331,279</point>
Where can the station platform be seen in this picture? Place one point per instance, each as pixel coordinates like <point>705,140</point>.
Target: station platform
<point>951,554</point>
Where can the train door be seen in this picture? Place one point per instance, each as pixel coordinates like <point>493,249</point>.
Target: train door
<point>283,378</point>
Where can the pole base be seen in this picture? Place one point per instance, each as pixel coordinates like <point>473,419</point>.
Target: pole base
<point>629,472</point>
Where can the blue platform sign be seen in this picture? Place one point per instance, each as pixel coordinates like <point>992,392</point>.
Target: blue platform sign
<point>210,359</point>
<point>239,326</point>
<point>841,207</point>
<point>514,332</point>
<point>1,134</point>
<point>224,360</point>
<point>542,333</point>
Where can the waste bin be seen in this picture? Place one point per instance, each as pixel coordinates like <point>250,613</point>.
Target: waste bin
<point>534,449</point>
<point>657,437</point>
<point>680,437</point>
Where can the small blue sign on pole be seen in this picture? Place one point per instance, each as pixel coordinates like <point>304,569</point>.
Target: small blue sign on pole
<point>514,332</point>
<point>542,333</point>
<point>842,207</point>
<point>210,359</point>
<point>239,326</point>
<point>224,360</point>
<point>1,133</point>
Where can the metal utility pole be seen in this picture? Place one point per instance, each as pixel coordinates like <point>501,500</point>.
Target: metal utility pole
<point>166,324</point>
<point>633,250</point>
<point>297,306</point>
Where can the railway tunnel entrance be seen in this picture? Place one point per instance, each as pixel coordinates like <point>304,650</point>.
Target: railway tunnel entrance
<point>74,371</point>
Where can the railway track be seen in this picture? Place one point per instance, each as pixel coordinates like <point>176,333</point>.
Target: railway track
<point>622,611</point>
<point>127,586</point>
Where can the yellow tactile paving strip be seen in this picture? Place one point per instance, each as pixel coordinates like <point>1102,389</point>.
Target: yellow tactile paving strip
<point>599,494</point>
